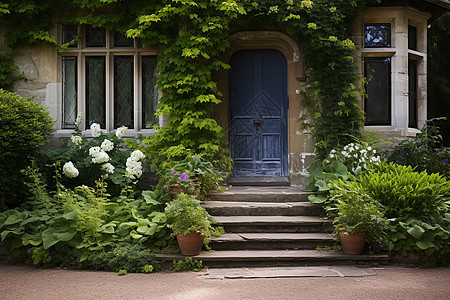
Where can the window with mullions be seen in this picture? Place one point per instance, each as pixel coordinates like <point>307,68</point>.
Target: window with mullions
<point>377,104</point>
<point>412,37</point>
<point>118,83</point>
<point>377,35</point>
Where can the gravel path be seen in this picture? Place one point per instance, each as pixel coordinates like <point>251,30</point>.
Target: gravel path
<point>24,282</point>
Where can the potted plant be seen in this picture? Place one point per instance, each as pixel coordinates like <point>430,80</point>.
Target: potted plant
<point>358,217</point>
<point>193,175</point>
<point>190,222</point>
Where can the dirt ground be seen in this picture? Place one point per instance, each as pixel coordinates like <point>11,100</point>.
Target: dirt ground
<point>24,282</point>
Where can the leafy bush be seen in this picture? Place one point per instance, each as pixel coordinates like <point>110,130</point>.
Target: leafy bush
<point>188,264</point>
<point>25,127</point>
<point>425,152</point>
<point>74,224</point>
<point>84,160</point>
<point>132,258</point>
<point>355,211</point>
<point>405,193</point>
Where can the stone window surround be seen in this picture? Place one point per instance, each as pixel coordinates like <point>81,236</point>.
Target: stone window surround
<point>399,18</point>
<point>109,52</point>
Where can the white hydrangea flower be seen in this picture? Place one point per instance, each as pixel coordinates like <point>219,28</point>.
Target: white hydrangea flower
<point>331,155</point>
<point>107,145</point>
<point>109,168</point>
<point>93,150</point>
<point>96,130</point>
<point>137,155</point>
<point>134,168</point>
<point>369,148</point>
<point>76,140</point>
<point>120,132</point>
<point>100,157</point>
<point>69,170</point>
<point>78,120</point>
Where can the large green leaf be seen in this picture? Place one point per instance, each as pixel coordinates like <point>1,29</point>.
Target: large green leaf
<point>16,218</point>
<point>416,231</point>
<point>150,197</point>
<point>52,236</point>
<point>424,244</point>
<point>322,186</point>
<point>316,199</point>
<point>33,239</point>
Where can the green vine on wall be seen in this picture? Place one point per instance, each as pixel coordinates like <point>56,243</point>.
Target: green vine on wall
<point>192,35</point>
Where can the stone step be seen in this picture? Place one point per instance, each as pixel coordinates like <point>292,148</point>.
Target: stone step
<point>231,208</point>
<point>261,194</point>
<point>273,224</point>
<point>271,241</point>
<point>276,258</point>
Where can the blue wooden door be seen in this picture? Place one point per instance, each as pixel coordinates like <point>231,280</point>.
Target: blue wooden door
<point>258,109</point>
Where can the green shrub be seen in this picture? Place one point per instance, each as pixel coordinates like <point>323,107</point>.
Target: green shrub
<point>132,258</point>
<point>405,193</point>
<point>425,152</point>
<point>188,264</point>
<point>25,127</point>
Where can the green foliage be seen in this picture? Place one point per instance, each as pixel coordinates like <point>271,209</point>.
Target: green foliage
<point>356,211</point>
<point>25,127</point>
<point>122,272</point>
<point>425,152</point>
<point>186,215</point>
<point>6,67</point>
<point>405,193</point>
<point>124,257</point>
<point>74,225</point>
<point>199,174</point>
<point>188,264</point>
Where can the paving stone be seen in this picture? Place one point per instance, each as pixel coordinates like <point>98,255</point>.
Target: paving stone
<point>285,272</point>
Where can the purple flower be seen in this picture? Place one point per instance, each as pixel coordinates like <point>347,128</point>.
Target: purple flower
<point>184,176</point>
<point>174,172</point>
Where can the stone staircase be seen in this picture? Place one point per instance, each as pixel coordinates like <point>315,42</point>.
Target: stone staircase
<point>271,227</point>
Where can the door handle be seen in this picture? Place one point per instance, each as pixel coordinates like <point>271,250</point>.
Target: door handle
<point>257,122</point>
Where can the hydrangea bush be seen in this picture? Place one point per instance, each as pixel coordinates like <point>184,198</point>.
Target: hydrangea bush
<point>84,160</point>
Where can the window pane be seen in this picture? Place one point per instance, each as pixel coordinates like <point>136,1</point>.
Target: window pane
<point>95,37</point>
<point>149,91</point>
<point>123,91</point>
<point>69,33</point>
<point>412,37</point>
<point>378,102</point>
<point>122,41</point>
<point>69,89</point>
<point>95,90</point>
<point>412,98</point>
<point>377,35</point>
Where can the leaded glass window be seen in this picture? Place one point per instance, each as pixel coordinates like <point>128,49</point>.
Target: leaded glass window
<point>377,71</point>
<point>95,91</point>
<point>149,91</point>
<point>95,37</point>
<point>69,89</point>
<point>412,37</point>
<point>412,93</point>
<point>122,41</point>
<point>123,91</point>
<point>69,33</point>
<point>377,35</point>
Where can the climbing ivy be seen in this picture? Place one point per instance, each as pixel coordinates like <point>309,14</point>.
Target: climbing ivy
<point>191,36</point>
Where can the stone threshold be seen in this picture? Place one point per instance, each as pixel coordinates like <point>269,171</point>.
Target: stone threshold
<point>287,272</point>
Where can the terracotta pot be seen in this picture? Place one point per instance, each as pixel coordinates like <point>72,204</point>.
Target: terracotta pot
<point>352,243</point>
<point>175,189</point>
<point>191,243</point>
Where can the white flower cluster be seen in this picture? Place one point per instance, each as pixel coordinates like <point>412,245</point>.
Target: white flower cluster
<point>109,168</point>
<point>76,140</point>
<point>120,132</point>
<point>98,155</point>
<point>356,156</point>
<point>107,145</point>
<point>96,131</point>
<point>134,166</point>
<point>69,170</point>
